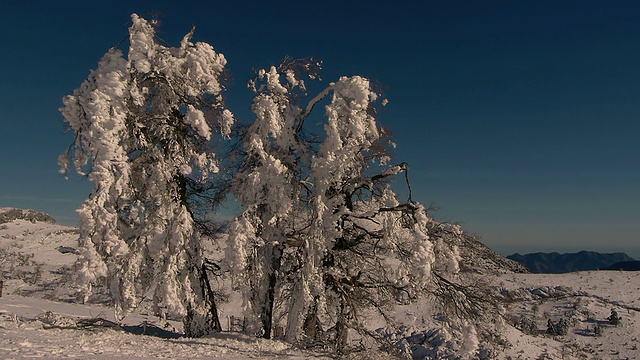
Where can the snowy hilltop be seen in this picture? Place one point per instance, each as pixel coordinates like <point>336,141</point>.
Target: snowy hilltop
<point>40,314</point>
<point>10,214</point>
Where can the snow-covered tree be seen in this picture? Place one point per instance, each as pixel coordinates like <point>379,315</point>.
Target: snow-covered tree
<point>324,236</point>
<point>271,187</point>
<point>143,126</point>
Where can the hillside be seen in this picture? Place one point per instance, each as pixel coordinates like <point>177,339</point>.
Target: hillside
<point>40,316</point>
<point>478,258</point>
<point>555,263</point>
<point>32,262</point>
<point>11,214</point>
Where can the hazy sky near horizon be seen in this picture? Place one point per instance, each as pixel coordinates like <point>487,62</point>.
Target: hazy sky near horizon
<point>520,120</point>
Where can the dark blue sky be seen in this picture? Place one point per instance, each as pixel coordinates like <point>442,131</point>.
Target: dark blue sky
<point>518,119</point>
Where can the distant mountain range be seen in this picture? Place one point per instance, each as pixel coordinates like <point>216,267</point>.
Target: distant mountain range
<point>556,263</point>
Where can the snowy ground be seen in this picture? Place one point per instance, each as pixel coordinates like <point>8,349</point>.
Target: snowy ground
<point>29,331</point>
<point>40,317</point>
<point>585,299</point>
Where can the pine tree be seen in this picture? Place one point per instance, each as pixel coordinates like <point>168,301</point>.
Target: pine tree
<point>143,128</point>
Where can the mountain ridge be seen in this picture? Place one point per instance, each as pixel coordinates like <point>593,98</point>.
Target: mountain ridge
<point>557,263</point>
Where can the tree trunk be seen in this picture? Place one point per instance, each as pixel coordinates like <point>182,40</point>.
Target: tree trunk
<point>312,327</point>
<point>267,308</point>
<point>210,300</point>
<point>342,331</point>
<point>202,317</point>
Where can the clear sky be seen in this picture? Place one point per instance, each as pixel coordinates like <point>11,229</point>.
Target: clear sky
<point>518,119</point>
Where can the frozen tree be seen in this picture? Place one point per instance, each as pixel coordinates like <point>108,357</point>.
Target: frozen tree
<point>143,126</point>
<point>324,236</point>
<point>271,187</point>
<point>379,250</point>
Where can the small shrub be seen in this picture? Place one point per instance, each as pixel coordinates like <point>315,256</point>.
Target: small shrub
<point>597,330</point>
<point>527,325</point>
<point>558,328</point>
<point>544,356</point>
<point>614,318</point>
<point>577,303</point>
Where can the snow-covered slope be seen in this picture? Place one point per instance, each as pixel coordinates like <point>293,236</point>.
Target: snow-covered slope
<point>40,317</point>
<point>478,258</point>
<point>36,254</point>
<point>11,214</point>
<point>38,328</point>
<point>585,301</point>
